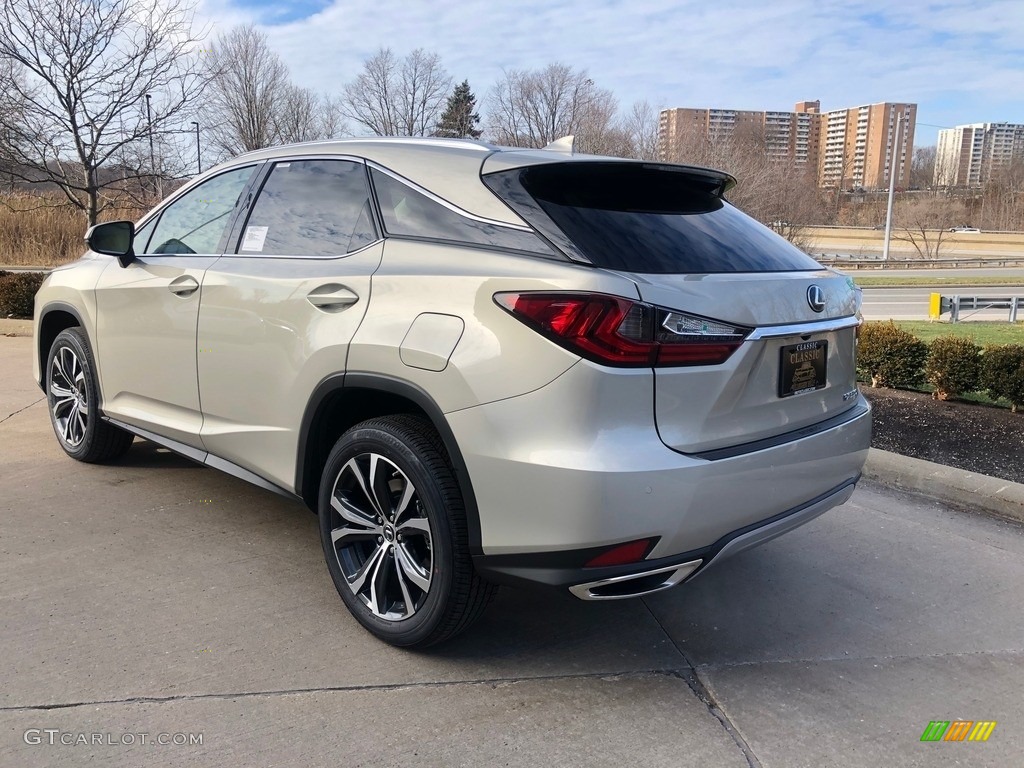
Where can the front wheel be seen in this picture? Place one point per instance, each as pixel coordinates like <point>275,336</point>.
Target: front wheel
<point>393,528</point>
<point>72,396</point>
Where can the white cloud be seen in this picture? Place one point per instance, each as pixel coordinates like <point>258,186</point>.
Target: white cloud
<point>962,61</point>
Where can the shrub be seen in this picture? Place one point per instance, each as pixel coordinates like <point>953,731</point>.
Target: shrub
<point>890,356</point>
<point>1002,373</point>
<point>17,293</point>
<point>954,366</point>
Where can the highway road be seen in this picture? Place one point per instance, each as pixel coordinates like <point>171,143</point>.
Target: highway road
<point>912,303</point>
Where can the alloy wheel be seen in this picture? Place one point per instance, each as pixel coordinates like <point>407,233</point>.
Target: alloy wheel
<point>381,536</point>
<point>70,397</point>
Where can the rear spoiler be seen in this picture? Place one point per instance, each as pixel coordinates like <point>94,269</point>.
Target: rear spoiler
<point>708,179</point>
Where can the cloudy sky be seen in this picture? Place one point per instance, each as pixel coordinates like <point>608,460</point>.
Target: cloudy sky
<point>961,61</point>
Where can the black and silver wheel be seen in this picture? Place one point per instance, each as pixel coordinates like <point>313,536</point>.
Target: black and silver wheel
<point>73,399</point>
<point>393,527</point>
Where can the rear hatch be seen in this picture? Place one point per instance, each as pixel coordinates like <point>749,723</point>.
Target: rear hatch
<point>709,269</point>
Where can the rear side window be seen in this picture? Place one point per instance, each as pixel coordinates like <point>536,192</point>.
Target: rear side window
<point>311,208</point>
<point>409,213</point>
<point>643,218</point>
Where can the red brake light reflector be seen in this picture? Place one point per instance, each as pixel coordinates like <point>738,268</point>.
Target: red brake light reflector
<point>623,554</point>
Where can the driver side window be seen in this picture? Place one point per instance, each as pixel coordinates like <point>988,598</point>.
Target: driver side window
<point>195,222</point>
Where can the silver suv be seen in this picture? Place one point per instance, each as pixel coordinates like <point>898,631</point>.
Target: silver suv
<point>477,365</point>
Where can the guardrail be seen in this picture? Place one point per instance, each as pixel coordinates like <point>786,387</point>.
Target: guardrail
<point>836,260</point>
<point>939,305</point>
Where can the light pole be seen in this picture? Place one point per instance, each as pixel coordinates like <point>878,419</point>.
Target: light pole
<point>199,153</point>
<point>897,147</point>
<point>152,154</point>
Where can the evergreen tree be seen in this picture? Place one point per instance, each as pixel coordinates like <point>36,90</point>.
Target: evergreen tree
<point>459,119</point>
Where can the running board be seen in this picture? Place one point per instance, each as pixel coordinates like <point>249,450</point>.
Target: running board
<point>204,457</point>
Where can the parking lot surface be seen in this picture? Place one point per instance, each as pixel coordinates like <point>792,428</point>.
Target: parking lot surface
<point>156,599</point>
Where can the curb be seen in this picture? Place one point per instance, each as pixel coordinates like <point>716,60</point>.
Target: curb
<point>11,327</point>
<point>946,484</point>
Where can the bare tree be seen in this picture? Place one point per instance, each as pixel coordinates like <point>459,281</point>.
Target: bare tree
<point>922,167</point>
<point>641,125</point>
<point>249,86</point>
<point>80,73</point>
<point>393,97</point>
<point>534,108</point>
<point>924,223</point>
<point>1002,201</point>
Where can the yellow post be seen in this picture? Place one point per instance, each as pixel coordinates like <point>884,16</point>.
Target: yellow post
<point>934,306</point>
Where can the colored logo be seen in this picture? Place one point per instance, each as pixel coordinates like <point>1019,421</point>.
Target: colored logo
<point>958,730</point>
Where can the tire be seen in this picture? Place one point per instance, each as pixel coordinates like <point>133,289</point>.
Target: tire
<point>393,528</point>
<point>72,397</point>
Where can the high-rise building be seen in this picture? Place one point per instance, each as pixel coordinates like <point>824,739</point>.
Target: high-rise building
<point>848,148</point>
<point>969,155</point>
<point>865,146</point>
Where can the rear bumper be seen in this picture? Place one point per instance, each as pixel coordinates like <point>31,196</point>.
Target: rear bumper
<point>615,583</point>
<point>567,471</point>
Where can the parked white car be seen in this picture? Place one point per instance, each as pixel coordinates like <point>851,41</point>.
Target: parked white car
<point>477,365</point>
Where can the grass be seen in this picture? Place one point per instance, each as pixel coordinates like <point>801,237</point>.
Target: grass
<point>938,282</point>
<point>983,332</point>
<point>37,232</point>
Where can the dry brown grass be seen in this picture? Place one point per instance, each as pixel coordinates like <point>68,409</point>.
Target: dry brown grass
<point>37,232</point>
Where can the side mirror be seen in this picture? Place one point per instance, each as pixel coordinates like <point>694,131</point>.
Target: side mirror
<point>114,238</point>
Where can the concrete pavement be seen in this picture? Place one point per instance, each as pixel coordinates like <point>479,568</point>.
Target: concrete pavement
<point>156,596</point>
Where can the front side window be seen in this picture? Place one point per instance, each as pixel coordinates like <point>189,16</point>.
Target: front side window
<point>311,208</point>
<point>408,213</point>
<point>196,221</point>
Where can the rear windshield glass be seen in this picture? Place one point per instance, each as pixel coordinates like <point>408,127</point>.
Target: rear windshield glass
<point>643,218</point>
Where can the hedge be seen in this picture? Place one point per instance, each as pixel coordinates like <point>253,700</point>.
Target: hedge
<point>18,292</point>
<point>889,356</point>
<point>1002,373</point>
<point>953,367</point>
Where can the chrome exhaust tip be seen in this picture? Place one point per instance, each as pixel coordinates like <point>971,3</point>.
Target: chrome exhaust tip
<point>635,584</point>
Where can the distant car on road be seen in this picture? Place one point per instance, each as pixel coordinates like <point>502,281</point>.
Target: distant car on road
<point>964,229</point>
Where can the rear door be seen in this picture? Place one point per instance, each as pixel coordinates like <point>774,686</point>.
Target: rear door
<point>721,274</point>
<point>278,313</point>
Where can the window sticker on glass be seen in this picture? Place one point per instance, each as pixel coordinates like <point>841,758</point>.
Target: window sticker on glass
<point>254,238</point>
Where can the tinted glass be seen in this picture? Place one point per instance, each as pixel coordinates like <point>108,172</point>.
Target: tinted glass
<point>311,208</point>
<point>644,218</point>
<point>408,213</point>
<point>195,222</point>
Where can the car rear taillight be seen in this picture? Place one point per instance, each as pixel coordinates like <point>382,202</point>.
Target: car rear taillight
<point>615,331</point>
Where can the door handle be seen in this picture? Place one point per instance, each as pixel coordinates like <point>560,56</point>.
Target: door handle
<point>183,286</point>
<point>332,297</point>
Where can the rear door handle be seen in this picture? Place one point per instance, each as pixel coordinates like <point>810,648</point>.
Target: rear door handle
<point>332,296</point>
<point>183,286</point>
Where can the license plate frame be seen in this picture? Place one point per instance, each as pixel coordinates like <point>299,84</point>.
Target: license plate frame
<point>803,367</point>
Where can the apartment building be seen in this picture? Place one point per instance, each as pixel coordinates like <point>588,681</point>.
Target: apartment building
<point>968,155</point>
<point>848,148</point>
<point>787,135</point>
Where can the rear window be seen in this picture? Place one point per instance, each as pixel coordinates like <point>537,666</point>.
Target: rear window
<point>643,218</point>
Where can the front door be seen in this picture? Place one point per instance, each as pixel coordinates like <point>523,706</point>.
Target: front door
<point>148,312</point>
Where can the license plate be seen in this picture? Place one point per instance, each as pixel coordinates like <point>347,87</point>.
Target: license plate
<point>802,367</point>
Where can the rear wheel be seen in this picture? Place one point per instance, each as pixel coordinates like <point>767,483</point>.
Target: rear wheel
<point>393,528</point>
<point>72,396</point>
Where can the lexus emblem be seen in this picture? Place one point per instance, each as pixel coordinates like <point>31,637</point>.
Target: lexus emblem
<point>816,298</point>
